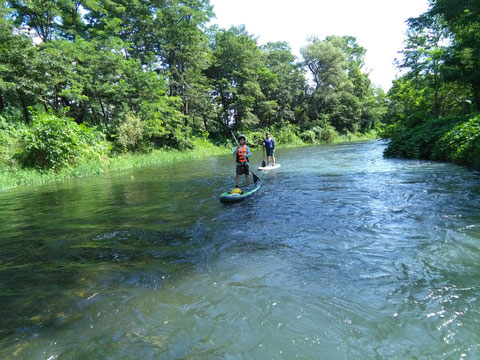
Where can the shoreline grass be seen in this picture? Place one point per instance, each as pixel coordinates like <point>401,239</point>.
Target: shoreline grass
<point>13,177</point>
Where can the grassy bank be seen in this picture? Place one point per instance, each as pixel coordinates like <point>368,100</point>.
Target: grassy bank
<point>13,177</point>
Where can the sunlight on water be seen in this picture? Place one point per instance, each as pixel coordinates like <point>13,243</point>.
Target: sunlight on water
<point>341,255</point>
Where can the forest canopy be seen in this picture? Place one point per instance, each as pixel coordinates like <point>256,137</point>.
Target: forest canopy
<point>132,76</point>
<point>152,74</point>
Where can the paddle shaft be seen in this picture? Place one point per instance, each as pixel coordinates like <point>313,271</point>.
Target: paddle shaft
<point>263,152</point>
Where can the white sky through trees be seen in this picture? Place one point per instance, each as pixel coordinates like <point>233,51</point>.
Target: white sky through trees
<point>378,25</point>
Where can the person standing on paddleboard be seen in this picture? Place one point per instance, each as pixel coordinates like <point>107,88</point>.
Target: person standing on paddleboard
<point>269,144</point>
<point>242,151</point>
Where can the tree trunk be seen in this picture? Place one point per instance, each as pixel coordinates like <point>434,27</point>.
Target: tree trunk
<point>103,111</point>
<point>2,103</point>
<point>436,104</point>
<point>476,95</point>
<point>205,123</point>
<point>26,114</point>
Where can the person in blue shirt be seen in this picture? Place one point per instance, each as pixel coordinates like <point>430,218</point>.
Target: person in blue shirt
<point>242,151</point>
<point>269,144</point>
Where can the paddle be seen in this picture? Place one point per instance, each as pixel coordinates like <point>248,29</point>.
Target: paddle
<point>263,162</point>
<point>255,177</point>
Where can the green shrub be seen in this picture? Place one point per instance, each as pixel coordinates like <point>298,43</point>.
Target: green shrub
<point>130,133</point>
<point>167,135</point>
<point>418,142</point>
<point>329,134</point>
<point>9,143</point>
<point>53,143</point>
<point>460,144</point>
<point>308,136</point>
<point>254,138</point>
<point>287,135</point>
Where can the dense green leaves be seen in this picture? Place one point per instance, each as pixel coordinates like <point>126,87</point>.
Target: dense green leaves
<point>149,73</point>
<point>53,143</point>
<point>430,106</point>
<point>342,94</point>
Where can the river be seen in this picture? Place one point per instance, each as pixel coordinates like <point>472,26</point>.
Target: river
<point>341,255</point>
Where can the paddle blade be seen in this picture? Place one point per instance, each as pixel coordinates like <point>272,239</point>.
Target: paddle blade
<point>263,163</point>
<point>255,177</point>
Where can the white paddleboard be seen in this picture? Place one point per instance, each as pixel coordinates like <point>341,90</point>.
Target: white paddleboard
<point>269,167</point>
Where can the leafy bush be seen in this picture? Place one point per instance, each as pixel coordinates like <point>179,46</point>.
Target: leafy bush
<point>9,143</point>
<point>328,134</point>
<point>287,135</point>
<point>130,133</point>
<point>460,144</point>
<point>166,129</point>
<point>53,143</point>
<point>418,142</point>
<point>308,136</point>
<point>254,138</point>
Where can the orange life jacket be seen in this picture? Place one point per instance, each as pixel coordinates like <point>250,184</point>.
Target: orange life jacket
<point>241,153</point>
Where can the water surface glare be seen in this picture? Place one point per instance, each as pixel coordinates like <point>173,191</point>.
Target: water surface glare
<point>341,255</point>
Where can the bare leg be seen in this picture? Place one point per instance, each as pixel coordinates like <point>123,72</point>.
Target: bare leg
<point>273,157</point>
<point>237,179</point>
<point>247,180</point>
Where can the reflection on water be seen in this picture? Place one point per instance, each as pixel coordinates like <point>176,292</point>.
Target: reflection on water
<point>342,255</point>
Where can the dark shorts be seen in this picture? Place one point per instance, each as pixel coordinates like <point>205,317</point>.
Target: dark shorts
<point>242,169</point>
<point>269,152</point>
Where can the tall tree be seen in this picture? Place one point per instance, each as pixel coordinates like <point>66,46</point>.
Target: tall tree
<point>236,74</point>
<point>286,95</point>
<point>424,54</point>
<point>462,61</point>
<point>37,15</point>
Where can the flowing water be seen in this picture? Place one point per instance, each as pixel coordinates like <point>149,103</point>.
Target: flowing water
<point>341,255</point>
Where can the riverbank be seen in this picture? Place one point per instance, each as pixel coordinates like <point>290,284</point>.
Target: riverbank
<point>15,177</point>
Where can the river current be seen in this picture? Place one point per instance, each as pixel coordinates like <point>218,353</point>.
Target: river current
<point>341,255</point>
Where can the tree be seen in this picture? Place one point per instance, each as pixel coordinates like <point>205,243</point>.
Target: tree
<point>20,77</point>
<point>236,74</point>
<point>342,93</point>
<point>424,53</point>
<point>286,95</point>
<point>462,61</point>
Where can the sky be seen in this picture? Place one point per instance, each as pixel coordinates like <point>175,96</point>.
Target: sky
<point>378,25</point>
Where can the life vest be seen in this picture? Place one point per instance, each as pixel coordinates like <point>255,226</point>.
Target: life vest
<point>241,153</point>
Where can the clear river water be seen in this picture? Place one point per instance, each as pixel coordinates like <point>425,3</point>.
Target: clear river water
<point>341,255</point>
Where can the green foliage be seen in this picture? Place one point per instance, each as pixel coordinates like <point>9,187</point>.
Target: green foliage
<point>287,135</point>
<point>9,143</point>
<point>308,136</point>
<point>325,133</point>
<point>129,133</point>
<point>342,93</point>
<point>53,143</point>
<point>149,75</point>
<point>254,138</point>
<point>461,144</point>
<point>164,126</point>
<point>237,74</point>
<point>428,106</point>
<point>420,141</point>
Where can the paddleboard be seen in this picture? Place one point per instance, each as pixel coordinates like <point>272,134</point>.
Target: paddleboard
<point>269,167</point>
<point>246,193</point>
